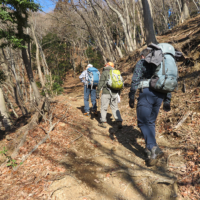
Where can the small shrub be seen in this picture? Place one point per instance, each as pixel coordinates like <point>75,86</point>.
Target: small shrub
<point>11,162</point>
<point>38,84</point>
<point>53,85</point>
<point>57,88</point>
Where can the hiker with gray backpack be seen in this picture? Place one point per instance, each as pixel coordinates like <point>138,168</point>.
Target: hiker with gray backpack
<point>90,78</point>
<point>155,75</point>
<point>111,83</point>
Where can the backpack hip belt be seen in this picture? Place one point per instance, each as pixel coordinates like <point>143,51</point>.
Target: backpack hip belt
<point>144,84</point>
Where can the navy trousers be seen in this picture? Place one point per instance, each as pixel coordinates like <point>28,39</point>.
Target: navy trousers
<point>148,106</point>
<point>87,93</point>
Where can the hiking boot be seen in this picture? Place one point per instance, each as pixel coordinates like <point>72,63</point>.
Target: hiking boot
<point>156,153</point>
<point>86,114</point>
<point>102,124</point>
<point>148,153</point>
<point>95,112</point>
<point>119,123</point>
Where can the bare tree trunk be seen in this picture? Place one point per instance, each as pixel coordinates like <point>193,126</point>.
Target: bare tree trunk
<point>43,58</point>
<point>177,13</point>
<point>129,24</point>
<point>30,92</point>
<point>13,66</point>
<point>81,59</point>
<point>141,25</point>
<point>119,52</point>
<point>195,4</point>
<point>184,11</point>
<point>124,25</point>
<point>27,64</point>
<point>18,95</point>
<point>30,75</point>
<point>86,55</point>
<point>103,31</point>
<point>81,55</point>
<point>24,80</point>
<point>123,46</point>
<point>91,32</point>
<point>148,23</point>
<point>3,110</point>
<point>150,7</point>
<point>134,25</point>
<point>164,15</point>
<point>11,105</point>
<point>38,57</point>
<point>73,52</point>
<point>179,6</point>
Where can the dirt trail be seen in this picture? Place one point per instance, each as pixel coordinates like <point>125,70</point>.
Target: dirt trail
<point>110,163</point>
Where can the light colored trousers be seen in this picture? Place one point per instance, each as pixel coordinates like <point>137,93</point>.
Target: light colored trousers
<point>106,100</point>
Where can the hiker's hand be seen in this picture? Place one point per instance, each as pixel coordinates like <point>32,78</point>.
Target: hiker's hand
<point>97,96</point>
<point>166,107</point>
<point>131,103</point>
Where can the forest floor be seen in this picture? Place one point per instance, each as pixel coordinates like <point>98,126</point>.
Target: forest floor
<point>80,160</point>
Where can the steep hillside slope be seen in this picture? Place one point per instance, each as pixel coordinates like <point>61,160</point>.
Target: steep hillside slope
<point>181,126</point>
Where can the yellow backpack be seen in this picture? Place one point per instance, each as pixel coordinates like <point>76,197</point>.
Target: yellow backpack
<point>115,81</point>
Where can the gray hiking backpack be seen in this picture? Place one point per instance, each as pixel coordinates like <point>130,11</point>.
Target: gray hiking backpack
<point>165,78</point>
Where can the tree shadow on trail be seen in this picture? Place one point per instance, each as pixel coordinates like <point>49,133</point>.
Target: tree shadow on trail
<point>97,116</point>
<point>127,136</point>
<point>82,163</point>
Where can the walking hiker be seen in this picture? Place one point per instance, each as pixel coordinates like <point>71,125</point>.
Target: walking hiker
<point>90,78</point>
<point>110,95</point>
<point>150,100</point>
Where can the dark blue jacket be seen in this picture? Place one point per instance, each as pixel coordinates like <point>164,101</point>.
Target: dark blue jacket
<point>143,70</point>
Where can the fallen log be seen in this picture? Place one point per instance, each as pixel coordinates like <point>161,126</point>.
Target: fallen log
<point>184,118</point>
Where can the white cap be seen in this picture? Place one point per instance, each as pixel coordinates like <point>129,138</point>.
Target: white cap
<point>89,65</point>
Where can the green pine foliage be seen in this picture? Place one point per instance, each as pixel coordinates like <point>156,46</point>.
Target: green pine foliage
<point>14,14</point>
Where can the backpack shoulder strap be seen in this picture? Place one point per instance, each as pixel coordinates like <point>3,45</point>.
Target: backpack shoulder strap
<point>163,67</point>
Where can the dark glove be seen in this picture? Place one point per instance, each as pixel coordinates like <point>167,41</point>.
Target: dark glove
<point>131,103</point>
<point>97,96</point>
<point>166,107</point>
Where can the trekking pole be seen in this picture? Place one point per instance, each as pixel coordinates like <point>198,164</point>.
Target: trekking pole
<point>98,105</point>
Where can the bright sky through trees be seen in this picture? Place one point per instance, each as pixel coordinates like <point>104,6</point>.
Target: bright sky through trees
<point>47,5</point>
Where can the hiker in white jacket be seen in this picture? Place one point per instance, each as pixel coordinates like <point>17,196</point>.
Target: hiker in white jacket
<point>88,91</point>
